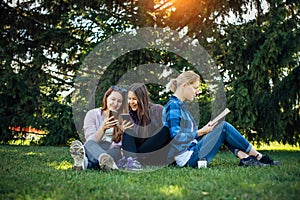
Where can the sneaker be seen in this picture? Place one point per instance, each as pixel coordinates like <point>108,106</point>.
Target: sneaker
<point>106,162</point>
<point>251,161</point>
<point>267,160</point>
<point>129,163</point>
<point>122,162</point>
<point>78,154</point>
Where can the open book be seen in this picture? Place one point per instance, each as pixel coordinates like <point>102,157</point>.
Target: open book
<point>219,117</point>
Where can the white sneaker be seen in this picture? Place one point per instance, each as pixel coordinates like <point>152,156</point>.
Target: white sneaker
<point>78,154</point>
<point>106,162</point>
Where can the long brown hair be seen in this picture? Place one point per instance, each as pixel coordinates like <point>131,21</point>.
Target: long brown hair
<point>142,94</point>
<point>117,133</point>
<point>123,108</point>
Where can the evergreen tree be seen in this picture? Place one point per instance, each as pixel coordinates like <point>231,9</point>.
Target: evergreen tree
<point>44,43</point>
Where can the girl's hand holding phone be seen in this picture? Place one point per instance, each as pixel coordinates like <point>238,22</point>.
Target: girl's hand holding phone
<point>110,122</point>
<point>126,125</point>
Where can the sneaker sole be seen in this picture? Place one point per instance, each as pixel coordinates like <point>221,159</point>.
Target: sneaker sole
<point>77,153</point>
<point>106,162</point>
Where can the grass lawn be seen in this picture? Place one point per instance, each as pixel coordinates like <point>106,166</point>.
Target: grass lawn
<point>33,172</point>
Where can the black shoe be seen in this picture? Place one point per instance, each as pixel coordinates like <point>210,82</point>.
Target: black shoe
<point>251,161</point>
<point>267,160</point>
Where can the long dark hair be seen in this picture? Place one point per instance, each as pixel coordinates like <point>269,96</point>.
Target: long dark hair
<point>117,133</point>
<point>142,94</point>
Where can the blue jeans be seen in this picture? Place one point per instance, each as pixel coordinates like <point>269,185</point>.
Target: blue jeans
<point>209,145</point>
<point>93,151</point>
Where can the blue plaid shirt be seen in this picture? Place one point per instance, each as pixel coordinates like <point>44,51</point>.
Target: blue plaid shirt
<point>182,126</point>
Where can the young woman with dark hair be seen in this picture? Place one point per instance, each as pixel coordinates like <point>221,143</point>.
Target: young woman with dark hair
<point>148,139</point>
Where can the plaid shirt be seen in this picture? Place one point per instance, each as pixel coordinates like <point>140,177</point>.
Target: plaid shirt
<point>182,126</point>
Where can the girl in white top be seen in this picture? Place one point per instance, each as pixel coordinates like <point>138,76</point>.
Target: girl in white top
<point>103,133</point>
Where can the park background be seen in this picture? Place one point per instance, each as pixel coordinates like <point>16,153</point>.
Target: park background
<point>255,45</point>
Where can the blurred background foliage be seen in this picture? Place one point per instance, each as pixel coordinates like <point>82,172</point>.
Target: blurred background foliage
<point>44,43</point>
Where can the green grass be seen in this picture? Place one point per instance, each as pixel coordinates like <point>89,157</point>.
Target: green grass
<point>33,172</point>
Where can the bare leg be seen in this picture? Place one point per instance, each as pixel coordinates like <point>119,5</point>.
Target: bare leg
<point>252,152</point>
<point>241,155</point>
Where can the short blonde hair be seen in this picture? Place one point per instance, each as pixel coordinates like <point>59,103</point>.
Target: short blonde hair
<point>185,77</point>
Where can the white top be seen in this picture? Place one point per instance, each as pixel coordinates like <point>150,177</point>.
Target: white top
<point>108,135</point>
<point>183,158</point>
<point>92,122</point>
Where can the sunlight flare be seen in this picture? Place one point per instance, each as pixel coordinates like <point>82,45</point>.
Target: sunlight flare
<point>172,190</point>
<point>64,165</point>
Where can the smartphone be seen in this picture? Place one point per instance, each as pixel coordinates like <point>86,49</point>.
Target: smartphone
<point>113,113</point>
<point>126,116</point>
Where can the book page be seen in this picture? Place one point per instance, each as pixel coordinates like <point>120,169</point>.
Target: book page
<point>219,117</point>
